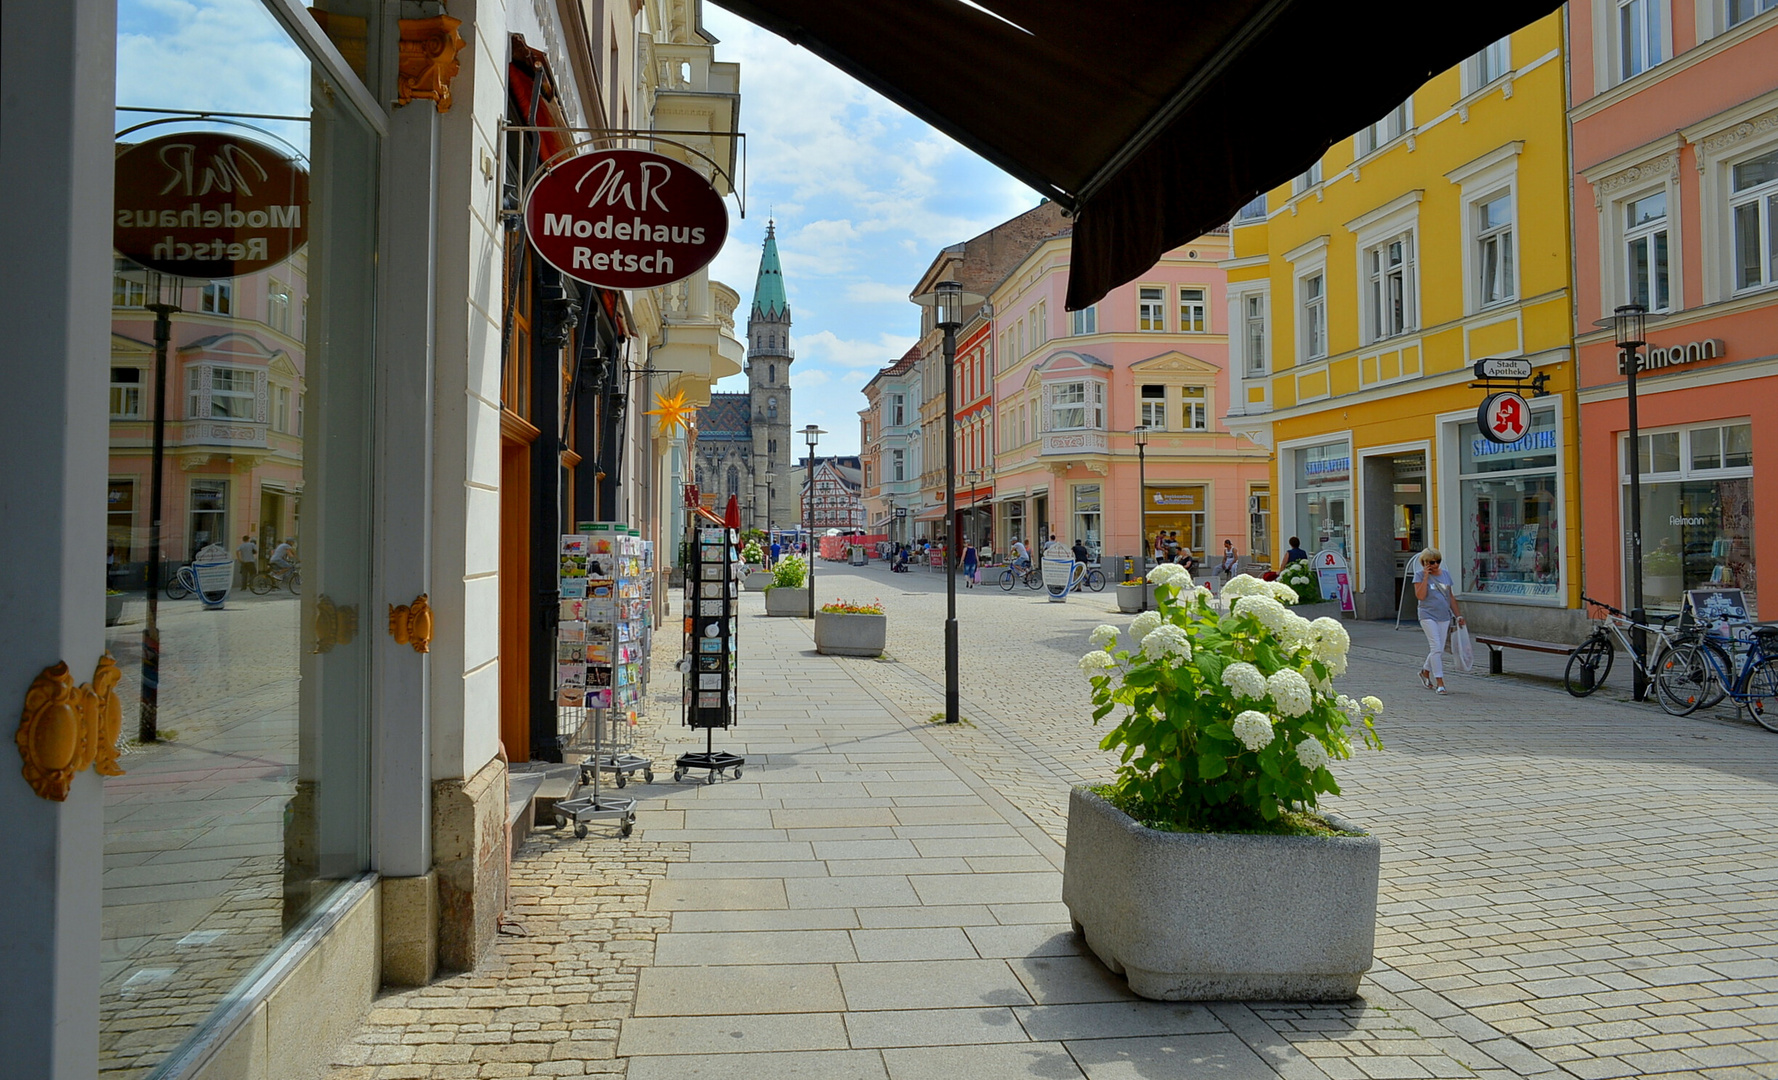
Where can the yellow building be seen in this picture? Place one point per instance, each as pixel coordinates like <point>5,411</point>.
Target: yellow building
<point>1360,298</point>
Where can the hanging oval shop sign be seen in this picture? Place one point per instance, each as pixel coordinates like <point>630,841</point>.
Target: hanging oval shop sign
<point>203,204</point>
<point>1504,418</point>
<point>625,219</point>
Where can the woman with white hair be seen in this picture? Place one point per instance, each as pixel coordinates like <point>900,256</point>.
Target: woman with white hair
<point>1438,606</point>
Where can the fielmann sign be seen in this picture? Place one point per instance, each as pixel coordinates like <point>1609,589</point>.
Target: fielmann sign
<point>625,219</point>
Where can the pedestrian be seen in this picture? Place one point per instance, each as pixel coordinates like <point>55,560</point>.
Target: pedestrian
<point>1081,554</point>
<point>247,560</point>
<point>1230,561</point>
<point>1295,553</point>
<point>1172,547</point>
<point>1160,546</point>
<point>777,550</point>
<point>1438,607</point>
<point>971,565</point>
<point>1188,560</point>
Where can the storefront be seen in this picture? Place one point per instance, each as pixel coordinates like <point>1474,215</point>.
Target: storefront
<point>1509,529</point>
<point>1087,521</point>
<point>1697,512</point>
<point>1321,494</point>
<point>1179,510</point>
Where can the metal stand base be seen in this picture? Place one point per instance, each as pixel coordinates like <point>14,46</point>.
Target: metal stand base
<point>621,765</point>
<point>713,761</point>
<point>584,808</point>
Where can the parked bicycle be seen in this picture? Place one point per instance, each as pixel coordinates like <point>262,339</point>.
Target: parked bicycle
<point>1590,662</point>
<point>181,584</point>
<point>1092,577</point>
<point>267,580</point>
<point>1698,672</point>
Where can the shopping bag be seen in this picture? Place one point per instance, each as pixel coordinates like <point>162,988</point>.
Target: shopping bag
<point>1462,647</point>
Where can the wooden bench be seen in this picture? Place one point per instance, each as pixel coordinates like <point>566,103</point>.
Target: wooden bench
<point>1497,646</point>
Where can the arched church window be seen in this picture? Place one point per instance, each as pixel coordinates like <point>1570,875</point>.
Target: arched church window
<point>771,373</point>
<point>734,480</point>
<point>771,408</point>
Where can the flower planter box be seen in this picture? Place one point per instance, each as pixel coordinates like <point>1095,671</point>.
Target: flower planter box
<point>790,602</point>
<point>1129,597</point>
<point>759,580</point>
<point>113,609</point>
<point>1211,917</point>
<point>1330,608</point>
<point>838,633</point>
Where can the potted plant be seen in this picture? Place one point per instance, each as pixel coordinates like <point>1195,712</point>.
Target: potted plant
<point>1306,584</point>
<point>789,593</point>
<point>1204,870</point>
<point>851,628</point>
<point>758,577</point>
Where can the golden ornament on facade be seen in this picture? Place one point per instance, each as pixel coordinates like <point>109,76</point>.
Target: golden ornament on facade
<point>67,728</point>
<point>429,49</point>
<point>335,624</point>
<point>411,624</point>
<point>674,412</point>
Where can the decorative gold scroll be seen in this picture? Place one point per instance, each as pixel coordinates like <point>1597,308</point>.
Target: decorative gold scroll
<point>66,728</point>
<point>411,624</point>
<point>335,624</point>
<point>429,49</point>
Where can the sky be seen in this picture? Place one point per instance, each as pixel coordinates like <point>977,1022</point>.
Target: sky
<point>864,196</point>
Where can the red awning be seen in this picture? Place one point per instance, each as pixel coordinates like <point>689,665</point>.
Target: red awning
<point>1152,121</point>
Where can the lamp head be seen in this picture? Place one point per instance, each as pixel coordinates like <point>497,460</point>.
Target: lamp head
<point>950,304</point>
<point>1140,433</point>
<point>812,435</point>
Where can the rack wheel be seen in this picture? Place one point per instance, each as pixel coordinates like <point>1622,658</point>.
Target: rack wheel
<point>678,775</point>
<point>622,779</point>
<point>625,831</point>
<point>710,777</point>
<point>648,776</point>
<point>580,830</point>
<point>737,772</point>
<point>560,821</point>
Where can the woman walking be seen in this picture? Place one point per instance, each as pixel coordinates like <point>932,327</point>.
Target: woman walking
<point>970,564</point>
<point>1438,606</point>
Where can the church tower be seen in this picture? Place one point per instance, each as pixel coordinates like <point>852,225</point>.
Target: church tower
<point>768,385</point>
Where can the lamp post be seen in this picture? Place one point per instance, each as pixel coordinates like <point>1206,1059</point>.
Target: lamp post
<point>162,294</point>
<point>949,311</point>
<point>1629,324</point>
<point>1140,434</point>
<point>811,435</point>
<point>768,478</point>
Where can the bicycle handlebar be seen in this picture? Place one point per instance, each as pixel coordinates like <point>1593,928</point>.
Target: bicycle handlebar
<point>1585,599</point>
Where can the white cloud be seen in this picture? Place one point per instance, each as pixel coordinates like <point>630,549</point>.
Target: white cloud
<point>828,347</point>
<point>877,292</point>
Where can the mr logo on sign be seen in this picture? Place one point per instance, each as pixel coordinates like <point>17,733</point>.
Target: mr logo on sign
<point>625,219</point>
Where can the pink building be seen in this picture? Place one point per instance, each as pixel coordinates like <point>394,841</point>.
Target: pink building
<point>234,417</point>
<point>1675,135</point>
<point>1070,387</point>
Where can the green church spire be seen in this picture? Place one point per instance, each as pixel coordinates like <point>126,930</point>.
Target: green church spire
<point>769,301</point>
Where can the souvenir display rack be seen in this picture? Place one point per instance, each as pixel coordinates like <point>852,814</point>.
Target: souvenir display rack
<point>711,582</point>
<point>597,668</point>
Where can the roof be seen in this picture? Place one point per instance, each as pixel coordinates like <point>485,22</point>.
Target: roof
<point>728,416</point>
<point>769,301</point>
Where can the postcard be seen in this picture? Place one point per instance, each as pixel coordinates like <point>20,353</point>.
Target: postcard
<point>710,682</point>
<point>571,631</point>
<point>709,663</point>
<point>570,674</point>
<point>573,544</point>
<point>710,645</point>
<point>571,652</point>
<point>710,701</point>
<point>573,610</point>
<point>573,588</point>
<point>572,697</point>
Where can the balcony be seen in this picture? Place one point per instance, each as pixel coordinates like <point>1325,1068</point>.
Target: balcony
<point>1075,443</point>
<point>223,433</point>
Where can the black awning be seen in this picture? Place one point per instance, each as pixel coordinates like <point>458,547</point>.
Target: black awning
<point>1152,120</point>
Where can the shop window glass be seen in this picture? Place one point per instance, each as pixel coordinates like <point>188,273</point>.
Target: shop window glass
<point>1175,510</point>
<point>1088,514</point>
<point>245,812</point>
<point>1259,524</point>
<point>1322,476</point>
<point>1511,531</point>
<point>1697,520</point>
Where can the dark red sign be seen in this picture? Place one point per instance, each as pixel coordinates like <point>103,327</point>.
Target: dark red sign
<point>203,204</point>
<point>1504,418</point>
<point>625,219</point>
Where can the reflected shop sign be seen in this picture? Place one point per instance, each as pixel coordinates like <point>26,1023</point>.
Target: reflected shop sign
<point>203,204</point>
<point>625,219</point>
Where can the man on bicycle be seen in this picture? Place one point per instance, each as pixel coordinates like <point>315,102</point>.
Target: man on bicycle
<point>284,558</point>
<point>1021,556</point>
<point>1081,554</point>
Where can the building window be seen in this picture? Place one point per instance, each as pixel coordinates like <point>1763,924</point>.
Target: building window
<point>1077,405</point>
<point>1491,63</point>
<point>1385,131</point>
<point>1195,413</point>
<point>208,515</point>
<point>277,305</point>
<point>300,398</point>
<point>772,374</point>
<point>1087,517</point>
<point>1086,320</point>
<point>1040,322</point>
<point>120,524</point>
<point>1154,407</point>
<point>1639,36</point>
<point>1019,338</point>
<point>126,393</point>
<point>1739,11</point>
<point>231,396</point>
<point>1697,512</point>
<point>127,287</point>
<point>771,408</point>
<point>218,298</point>
<point>1255,210</point>
<point>1193,307</point>
<point>734,480</point>
<point>1259,524</point>
<point>898,465</point>
<point>1307,180</point>
<point>1753,200</point>
<point>1511,540</point>
<point>281,409</point>
<point>1151,304</point>
<point>1322,476</point>
<point>897,409</point>
<point>1494,249</point>
<point>1645,252</point>
<point>772,448</point>
<point>1314,292</point>
<point>1389,273</point>
<point>1254,339</point>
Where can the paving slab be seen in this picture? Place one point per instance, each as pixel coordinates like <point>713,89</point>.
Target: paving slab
<point>932,984</point>
<point>812,1065</point>
<point>933,1027</point>
<point>1024,1061</point>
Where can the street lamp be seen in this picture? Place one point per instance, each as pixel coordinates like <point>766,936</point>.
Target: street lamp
<point>768,478</point>
<point>1629,325</point>
<point>1140,434</point>
<point>811,435</point>
<point>161,295</point>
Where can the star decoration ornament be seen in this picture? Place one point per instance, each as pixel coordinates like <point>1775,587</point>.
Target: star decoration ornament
<point>674,412</point>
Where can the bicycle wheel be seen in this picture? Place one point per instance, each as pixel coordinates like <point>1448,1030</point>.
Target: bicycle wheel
<point>177,587</point>
<point>262,583</point>
<point>1588,666</point>
<point>1684,677</point>
<point>295,582</point>
<point>1007,579</point>
<point>1033,578</point>
<point>1760,693</point>
<point>1096,580</point>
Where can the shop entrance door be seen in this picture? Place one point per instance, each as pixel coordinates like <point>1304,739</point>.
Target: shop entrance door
<point>1394,529</point>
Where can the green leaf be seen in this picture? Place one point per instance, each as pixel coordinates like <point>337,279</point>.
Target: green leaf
<point>1218,731</point>
<point>1211,766</point>
<point>1268,763</point>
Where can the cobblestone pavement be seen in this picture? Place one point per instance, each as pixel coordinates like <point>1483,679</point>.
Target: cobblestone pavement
<point>1569,888</point>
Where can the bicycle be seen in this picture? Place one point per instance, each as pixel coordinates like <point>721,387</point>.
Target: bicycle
<point>1093,579</point>
<point>267,580</point>
<point>1590,662</point>
<point>1023,571</point>
<point>1697,674</point>
<point>182,584</point>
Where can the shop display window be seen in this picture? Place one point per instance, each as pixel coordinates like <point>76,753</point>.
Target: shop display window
<point>1697,513</point>
<point>1322,476</point>
<point>1511,532</point>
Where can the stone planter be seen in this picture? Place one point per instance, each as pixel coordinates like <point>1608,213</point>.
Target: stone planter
<point>1129,597</point>
<point>113,609</point>
<point>790,602</point>
<point>1216,917</point>
<point>758,580</point>
<point>840,634</point>
<point>1329,608</point>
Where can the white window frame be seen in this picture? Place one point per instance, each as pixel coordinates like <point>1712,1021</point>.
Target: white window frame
<point>1253,210</point>
<point>1395,124</point>
<point>1085,321</point>
<point>277,305</point>
<point>127,285</point>
<point>1194,315</point>
<point>1617,183</point>
<point>219,395</point>
<point>1091,404</point>
<point>1307,179</point>
<point>1245,321</point>
<point>1762,199</point>
<point>1194,409</point>
<point>281,408</point>
<point>1729,22</point>
<point>1397,219</point>
<point>1312,313</point>
<point>898,409</point>
<point>1380,271</point>
<point>1645,232</point>
<point>217,298</point>
<point>1151,309</point>
<point>1727,139</point>
<point>132,394</point>
<point>1040,323</point>
<point>1656,35</point>
<point>1494,249</point>
<point>1151,412</point>
<point>1487,67</point>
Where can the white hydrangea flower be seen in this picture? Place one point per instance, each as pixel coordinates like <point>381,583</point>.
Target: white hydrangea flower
<point>1321,685</point>
<point>1254,729</point>
<point>1096,663</point>
<point>1297,632</point>
<point>1144,624</point>
<point>1281,592</point>
<point>1167,640</point>
<point>1103,637</point>
<point>1270,613</point>
<point>1202,592</point>
<point>1171,574</point>
<point>1351,708</point>
<point>1331,638</point>
<point>1311,753</point>
<point>1290,691</point>
<point>1372,704</point>
<point>1243,585</point>
<point>1245,680</point>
